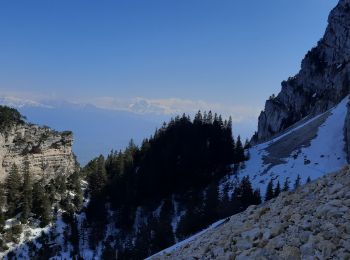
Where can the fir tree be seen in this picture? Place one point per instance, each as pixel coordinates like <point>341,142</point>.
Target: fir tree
<point>164,236</point>
<point>192,220</point>
<point>225,208</point>
<point>243,196</point>
<point>27,195</point>
<point>297,182</point>
<point>74,235</point>
<point>97,179</point>
<point>277,190</point>
<point>286,185</point>
<point>240,156</point>
<point>41,204</point>
<point>269,191</point>
<point>13,191</point>
<point>308,180</point>
<point>211,203</point>
<point>257,197</point>
<point>247,144</point>
<point>75,186</point>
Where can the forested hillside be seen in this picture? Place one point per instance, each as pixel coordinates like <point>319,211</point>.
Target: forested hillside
<point>166,189</point>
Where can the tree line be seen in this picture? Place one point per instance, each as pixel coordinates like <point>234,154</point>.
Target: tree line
<point>28,199</point>
<point>182,163</point>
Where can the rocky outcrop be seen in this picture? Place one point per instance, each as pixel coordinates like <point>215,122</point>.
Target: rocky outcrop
<point>322,82</point>
<point>48,152</point>
<point>311,223</point>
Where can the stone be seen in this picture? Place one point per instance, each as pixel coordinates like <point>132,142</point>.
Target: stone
<point>48,152</point>
<point>290,253</point>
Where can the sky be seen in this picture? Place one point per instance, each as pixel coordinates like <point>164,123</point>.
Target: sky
<point>230,53</point>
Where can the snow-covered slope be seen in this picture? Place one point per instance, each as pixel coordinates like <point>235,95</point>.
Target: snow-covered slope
<point>311,148</point>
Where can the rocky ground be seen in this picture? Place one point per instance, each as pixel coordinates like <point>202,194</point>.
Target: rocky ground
<point>312,222</point>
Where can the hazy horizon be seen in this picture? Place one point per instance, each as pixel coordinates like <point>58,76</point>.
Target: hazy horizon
<point>153,60</point>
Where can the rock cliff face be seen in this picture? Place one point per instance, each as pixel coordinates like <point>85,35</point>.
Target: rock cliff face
<point>49,152</point>
<point>322,82</point>
<point>311,223</point>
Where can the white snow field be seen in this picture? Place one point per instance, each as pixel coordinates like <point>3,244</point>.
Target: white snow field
<point>311,149</point>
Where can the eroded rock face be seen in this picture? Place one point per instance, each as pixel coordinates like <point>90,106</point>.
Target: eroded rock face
<point>49,152</point>
<point>311,223</point>
<point>322,82</point>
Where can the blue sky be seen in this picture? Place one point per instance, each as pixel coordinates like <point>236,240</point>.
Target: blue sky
<point>224,52</point>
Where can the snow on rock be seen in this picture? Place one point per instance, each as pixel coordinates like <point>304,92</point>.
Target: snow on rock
<point>311,149</point>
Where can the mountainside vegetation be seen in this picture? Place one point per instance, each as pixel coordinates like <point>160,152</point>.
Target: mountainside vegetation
<point>8,117</point>
<point>168,188</point>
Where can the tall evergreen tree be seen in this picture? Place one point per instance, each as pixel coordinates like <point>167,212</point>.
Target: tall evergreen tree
<point>13,191</point>
<point>240,156</point>
<point>164,236</point>
<point>192,221</point>
<point>247,144</point>
<point>97,179</point>
<point>27,195</point>
<point>243,196</point>
<point>225,208</point>
<point>257,197</point>
<point>297,182</point>
<point>211,203</point>
<point>75,186</point>
<point>308,180</point>
<point>277,189</point>
<point>286,185</point>
<point>269,191</point>
<point>41,204</point>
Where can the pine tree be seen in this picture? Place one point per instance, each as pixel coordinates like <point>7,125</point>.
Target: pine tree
<point>97,179</point>
<point>164,236</point>
<point>75,186</point>
<point>247,144</point>
<point>211,203</point>
<point>277,189</point>
<point>13,191</point>
<point>286,185</point>
<point>308,180</point>
<point>297,182</point>
<point>257,197</point>
<point>41,204</point>
<point>27,195</point>
<point>243,196</point>
<point>74,235</point>
<point>247,192</point>
<point>225,208</point>
<point>192,220</point>
<point>240,156</point>
<point>269,191</point>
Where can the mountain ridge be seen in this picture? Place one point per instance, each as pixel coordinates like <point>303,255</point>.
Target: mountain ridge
<point>322,82</point>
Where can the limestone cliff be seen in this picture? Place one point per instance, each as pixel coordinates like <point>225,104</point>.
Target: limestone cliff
<point>49,152</point>
<point>321,83</point>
